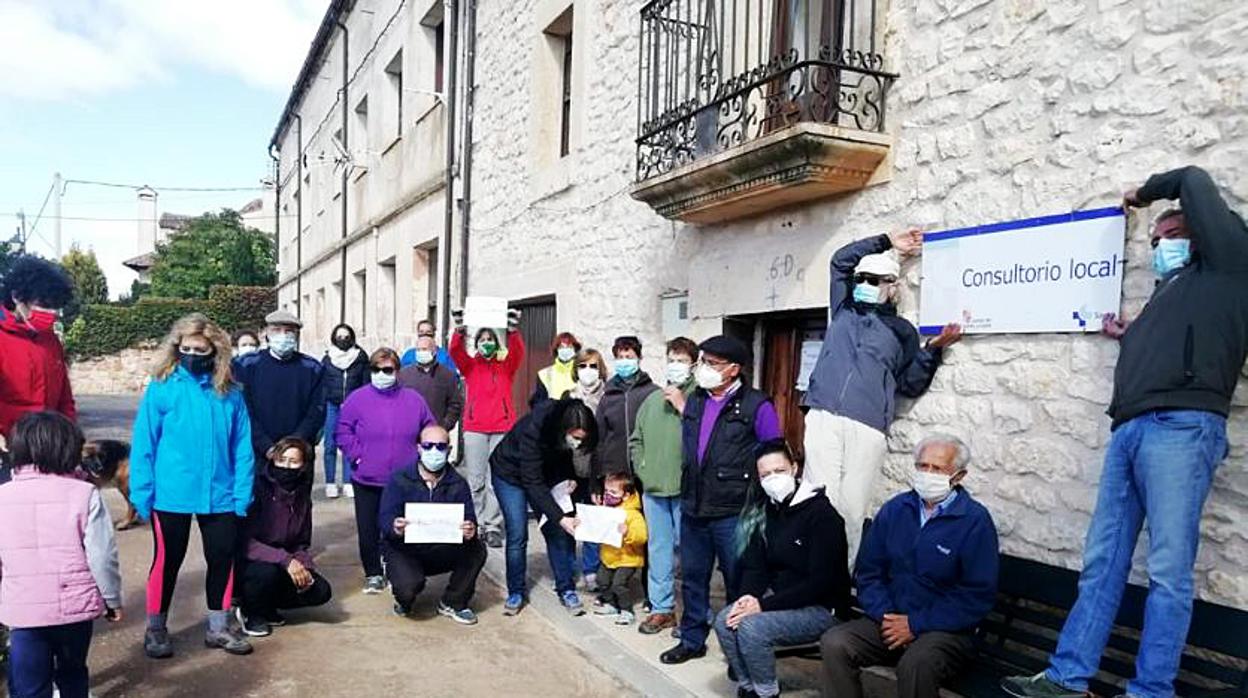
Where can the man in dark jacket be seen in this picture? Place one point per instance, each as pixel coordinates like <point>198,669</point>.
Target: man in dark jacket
<point>345,368</point>
<point>411,564</point>
<point>722,422</point>
<point>869,356</point>
<point>927,575</point>
<point>280,573</point>
<point>283,387</point>
<point>617,412</point>
<point>1178,364</point>
<point>438,385</point>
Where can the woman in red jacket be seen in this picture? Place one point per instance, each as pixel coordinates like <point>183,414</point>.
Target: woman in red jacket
<point>33,374</point>
<point>489,413</point>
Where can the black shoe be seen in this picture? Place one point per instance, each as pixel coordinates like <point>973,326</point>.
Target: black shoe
<point>747,693</point>
<point>681,654</point>
<point>275,619</point>
<point>732,674</point>
<point>255,626</point>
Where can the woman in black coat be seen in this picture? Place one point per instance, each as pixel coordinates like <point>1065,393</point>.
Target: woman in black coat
<point>345,369</point>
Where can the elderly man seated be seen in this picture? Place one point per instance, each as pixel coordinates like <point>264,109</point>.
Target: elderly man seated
<point>926,576</point>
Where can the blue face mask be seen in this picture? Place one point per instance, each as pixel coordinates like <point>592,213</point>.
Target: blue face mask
<point>627,368</point>
<point>282,344</point>
<point>866,293</point>
<point>433,459</point>
<point>424,357</point>
<point>1171,254</point>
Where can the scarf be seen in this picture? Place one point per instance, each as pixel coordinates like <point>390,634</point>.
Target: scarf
<point>342,360</point>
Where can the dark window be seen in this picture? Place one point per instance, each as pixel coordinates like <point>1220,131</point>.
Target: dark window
<point>565,119</point>
<point>438,60</point>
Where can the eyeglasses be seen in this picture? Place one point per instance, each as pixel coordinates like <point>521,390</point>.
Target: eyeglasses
<point>717,364</point>
<point>594,366</point>
<point>196,351</point>
<point>435,446</point>
<point>388,370</point>
<point>424,334</point>
<point>874,280</point>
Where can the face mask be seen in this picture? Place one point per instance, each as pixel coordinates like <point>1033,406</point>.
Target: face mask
<point>282,345</point>
<point>244,351</point>
<point>572,442</point>
<point>424,358</point>
<point>433,459</point>
<point>287,478</point>
<point>384,381</point>
<point>678,372</point>
<point>866,293</point>
<point>779,486</point>
<point>1171,254</point>
<point>565,354</point>
<point>627,368</point>
<point>707,377</point>
<point>588,377</point>
<point>41,320</point>
<point>343,342</point>
<point>487,348</point>
<point>198,365</point>
<point>612,500</point>
<point>931,487</point>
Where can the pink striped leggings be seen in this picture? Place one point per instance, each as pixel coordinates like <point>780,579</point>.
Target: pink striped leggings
<point>171,533</point>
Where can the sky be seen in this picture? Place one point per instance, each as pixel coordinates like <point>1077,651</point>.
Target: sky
<point>165,93</point>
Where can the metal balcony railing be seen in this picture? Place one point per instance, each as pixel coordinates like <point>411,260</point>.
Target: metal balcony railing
<point>716,74</point>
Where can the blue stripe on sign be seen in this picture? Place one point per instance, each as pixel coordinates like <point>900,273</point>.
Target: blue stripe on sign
<point>1024,223</point>
<point>929,329</point>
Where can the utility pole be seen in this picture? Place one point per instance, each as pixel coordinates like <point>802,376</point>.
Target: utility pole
<point>21,231</point>
<point>56,214</point>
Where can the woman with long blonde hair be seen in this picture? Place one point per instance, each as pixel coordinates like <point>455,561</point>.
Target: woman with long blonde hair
<point>191,456</point>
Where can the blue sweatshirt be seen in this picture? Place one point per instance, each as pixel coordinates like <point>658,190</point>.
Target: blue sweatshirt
<point>284,397</point>
<point>942,575</point>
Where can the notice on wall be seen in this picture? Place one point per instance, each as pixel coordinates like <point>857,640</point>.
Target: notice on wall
<point>433,523</point>
<point>809,357</point>
<point>1057,273</point>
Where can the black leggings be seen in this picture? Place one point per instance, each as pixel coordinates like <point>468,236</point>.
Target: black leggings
<point>171,532</point>
<point>367,507</point>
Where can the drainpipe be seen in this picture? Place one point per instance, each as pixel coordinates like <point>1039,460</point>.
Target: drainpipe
<point>277,202</point>
<point>299,207</point>
<point>470,91</point>
<point>450,20</point>
<point>346,172</point>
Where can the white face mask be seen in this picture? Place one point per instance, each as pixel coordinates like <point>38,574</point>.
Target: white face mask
<point>678,372</point>
<point>588,377</point>
<point>707,377</point>
<point>565,354</point>
<point>779,486</point>
<point>572,442</point>
<point>931,487</point>
<point>282,344</point>
<point>382,381</point>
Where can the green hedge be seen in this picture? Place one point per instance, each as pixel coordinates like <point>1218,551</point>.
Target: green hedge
<point>107,329</point>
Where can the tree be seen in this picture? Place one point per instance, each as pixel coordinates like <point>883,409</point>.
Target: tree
<point>90,284</point>
<point>213,249</point>
<point>8,253</point>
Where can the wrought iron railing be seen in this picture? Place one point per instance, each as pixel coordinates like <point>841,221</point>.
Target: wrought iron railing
<point>715,74</point>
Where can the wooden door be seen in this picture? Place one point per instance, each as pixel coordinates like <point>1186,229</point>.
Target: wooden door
<point>537,327</point>
<point>783,337</point>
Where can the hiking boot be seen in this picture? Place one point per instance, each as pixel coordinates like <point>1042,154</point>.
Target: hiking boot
<point>572,603</point>
<point>374,585</point>
<point>463,616</point>
<point>513,605</point>
<point>1038,686</point>
<point>656,623</point>
<point>229,640</point>
<point>625,618</point>
<point>156,644</point>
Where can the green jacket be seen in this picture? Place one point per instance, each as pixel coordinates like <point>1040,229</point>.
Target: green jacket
<point>655,445</point>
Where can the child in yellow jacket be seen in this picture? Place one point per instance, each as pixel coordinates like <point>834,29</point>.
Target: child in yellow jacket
<point>619,567</point>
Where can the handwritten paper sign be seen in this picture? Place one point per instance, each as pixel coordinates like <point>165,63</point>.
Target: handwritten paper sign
<point>600,524</point>
<point>433,523</point>
<point>485,311</point>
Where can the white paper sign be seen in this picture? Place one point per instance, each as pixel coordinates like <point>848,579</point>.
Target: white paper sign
<point>485,311</point>
<point>1052,274</point>
<point>562,492</point>
<point>810,356</point>
<point>600,524</point>
<point>433,523</point>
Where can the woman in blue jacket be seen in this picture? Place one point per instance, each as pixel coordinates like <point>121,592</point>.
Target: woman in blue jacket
<point>190,456</point>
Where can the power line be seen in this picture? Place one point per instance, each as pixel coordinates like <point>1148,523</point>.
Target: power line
<point>119,185</point>
<point>137,220</point>
<point>39,215</point>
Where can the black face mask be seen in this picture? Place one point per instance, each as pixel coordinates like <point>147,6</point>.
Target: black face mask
<point>344,343</point>
<point>198,365</point>
<point>287,478</point>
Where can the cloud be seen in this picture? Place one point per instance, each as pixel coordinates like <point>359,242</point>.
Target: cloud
<point>71,49</point>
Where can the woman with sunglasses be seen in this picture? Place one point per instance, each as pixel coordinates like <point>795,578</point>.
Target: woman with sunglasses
<point>378,429</point>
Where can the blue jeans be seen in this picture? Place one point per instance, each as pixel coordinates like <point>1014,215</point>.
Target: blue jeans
<point>39,657</point>
<point>331,447</point>
<point>560,547</point>
<point>1158,470</point>
<point>750,649</point>
<point>702,542</point>
<point>589,558</point>
<point>663,537</point>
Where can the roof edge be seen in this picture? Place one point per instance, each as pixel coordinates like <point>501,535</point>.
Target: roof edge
<point>306,73</point>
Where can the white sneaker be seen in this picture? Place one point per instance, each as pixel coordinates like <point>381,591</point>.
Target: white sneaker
<point>331,491</point>
<point>348,491</point>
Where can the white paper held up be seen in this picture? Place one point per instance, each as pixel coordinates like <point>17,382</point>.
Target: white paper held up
<point>562,492</point>
<point>600,524</point>
<point>485,311</point>
<point>433,523</point>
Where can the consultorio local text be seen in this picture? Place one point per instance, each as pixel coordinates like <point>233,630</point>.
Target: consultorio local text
<point>1045,272</point>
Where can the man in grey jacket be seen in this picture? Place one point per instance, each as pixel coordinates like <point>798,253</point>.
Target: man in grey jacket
<point>869,355</point>
<point>437,384</point>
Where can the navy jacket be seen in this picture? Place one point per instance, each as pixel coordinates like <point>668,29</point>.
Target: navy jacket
<point>869,354</point>
<point>407,485</point>
<point>943,576</point>
<point>285,397</point>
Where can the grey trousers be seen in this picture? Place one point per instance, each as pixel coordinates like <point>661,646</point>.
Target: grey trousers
<point>921,667</point>
<point>475,468</point>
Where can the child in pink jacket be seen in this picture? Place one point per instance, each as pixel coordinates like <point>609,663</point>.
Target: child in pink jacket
<point>58,559</point>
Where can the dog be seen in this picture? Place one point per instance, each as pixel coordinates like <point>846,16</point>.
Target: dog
<point>106,462</point>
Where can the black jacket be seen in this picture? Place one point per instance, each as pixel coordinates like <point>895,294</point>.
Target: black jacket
<point>716,486</point>
<point>617,415</point>
<point>441,389</point>
<point>339,383</point>
<point>534,455</point>
<point>1187,347</point>
<point>802,558</point>
<point>407,485</point>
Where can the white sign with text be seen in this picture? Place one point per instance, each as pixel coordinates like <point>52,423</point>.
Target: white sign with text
<point>433,523</point>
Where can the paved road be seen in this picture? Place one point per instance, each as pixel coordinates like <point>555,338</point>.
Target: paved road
<point>352,647</point>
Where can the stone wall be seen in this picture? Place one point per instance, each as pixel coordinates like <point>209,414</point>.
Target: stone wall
<point>1003,110</point>
<point>123,373</point>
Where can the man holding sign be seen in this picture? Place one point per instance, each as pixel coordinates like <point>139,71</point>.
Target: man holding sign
<point>869,355</point>
<point>1177,368</point>
<point>426,487</point>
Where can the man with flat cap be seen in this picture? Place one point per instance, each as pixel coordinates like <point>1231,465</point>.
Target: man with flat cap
<point>722,422</point>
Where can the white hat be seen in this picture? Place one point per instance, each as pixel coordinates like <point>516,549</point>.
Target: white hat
<point>882,264</point>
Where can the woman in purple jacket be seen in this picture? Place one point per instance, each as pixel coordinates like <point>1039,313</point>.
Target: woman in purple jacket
<point>280,573</point>
<point>378,429</point>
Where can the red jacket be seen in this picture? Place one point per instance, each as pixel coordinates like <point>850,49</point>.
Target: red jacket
<point>33,373</point>
<point>488,408</point>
